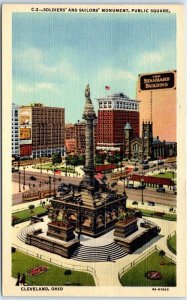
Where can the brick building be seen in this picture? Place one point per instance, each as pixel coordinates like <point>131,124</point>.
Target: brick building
<point>114,112</point>
<point>70,138</point>
<point>42,130</point>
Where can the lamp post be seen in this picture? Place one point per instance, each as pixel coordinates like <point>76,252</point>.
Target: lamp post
<point>50,185</point>
<point>40,163</point>
<point>24,176</point>
<point>54,179</point>
<point>80,217</point>
<point>142,181</point>
<point>19,182</point>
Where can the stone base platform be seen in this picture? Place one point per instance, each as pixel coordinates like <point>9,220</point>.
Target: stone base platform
<point>61,232</point>
<point>50,245</point>
<point>138,238</point>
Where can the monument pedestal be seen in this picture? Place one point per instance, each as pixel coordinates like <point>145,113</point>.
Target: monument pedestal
<point>60,231</point>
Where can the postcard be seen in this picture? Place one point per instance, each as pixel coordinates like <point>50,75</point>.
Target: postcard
<point>93,150</point>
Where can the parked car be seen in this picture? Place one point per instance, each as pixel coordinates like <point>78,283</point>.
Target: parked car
<point>160,163</point>
<point>130,186</point>
<point>32,178</point>
<point>14,170</point>
<point>140,187</point>
<point>113,184</point>
<point>161,190</point>
<point>145,167</point>
<point>135,169</point>
<point>151,203</point>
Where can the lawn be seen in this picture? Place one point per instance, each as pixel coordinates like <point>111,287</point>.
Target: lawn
<point>24,214</point>
<point>171,243</point>
<point>52,167</point>
<point>53,276</point>
<point>136,275</point>
<point>166,175</point>
<point>154,214</point>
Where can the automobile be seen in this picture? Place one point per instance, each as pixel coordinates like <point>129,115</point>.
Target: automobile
<point>145,167</point>
<point>151,203</point>
<point>130,186</point>
<point>14,170</point>
<point>140,187</point>
<point>32,178</point>
<point>135,169</point>
<point>160,163</point>
<point>161,190</point>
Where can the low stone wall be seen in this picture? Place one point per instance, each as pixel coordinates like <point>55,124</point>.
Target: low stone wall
<point>65,250</point>
<point>131,245</point>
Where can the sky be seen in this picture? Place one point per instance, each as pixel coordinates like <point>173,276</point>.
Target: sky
<point>55,55</point>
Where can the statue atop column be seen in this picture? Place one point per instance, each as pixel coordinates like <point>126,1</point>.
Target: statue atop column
<point>89,116</point>
<point>89,112</point>
<point>87,92</point>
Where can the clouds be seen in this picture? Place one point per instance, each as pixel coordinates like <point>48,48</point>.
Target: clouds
<point>55,56</point>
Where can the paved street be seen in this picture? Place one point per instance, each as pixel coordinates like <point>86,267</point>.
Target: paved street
<point>42,183</point>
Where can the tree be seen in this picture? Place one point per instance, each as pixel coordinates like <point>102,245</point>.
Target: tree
<point>67,273</point>
<point>56,158</point>
<point>162,253</point>
<point>31,208</point>
<point>99,158</point>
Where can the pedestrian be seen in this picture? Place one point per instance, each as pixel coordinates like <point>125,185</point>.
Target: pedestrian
<point>108,257</point>
<point>18,279</point>
<point>22,279</point>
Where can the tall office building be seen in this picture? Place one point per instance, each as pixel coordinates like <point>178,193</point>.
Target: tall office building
<point>114,112</point>
<point>42,131</point>
<point>15,129</point>
<point>70,138</point>
<point>157,95</point>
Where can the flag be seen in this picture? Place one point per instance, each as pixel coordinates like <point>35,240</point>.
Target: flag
<point>107,87</point>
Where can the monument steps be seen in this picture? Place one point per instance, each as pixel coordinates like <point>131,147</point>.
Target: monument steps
<point>22,234</point>
<point>98,254</point>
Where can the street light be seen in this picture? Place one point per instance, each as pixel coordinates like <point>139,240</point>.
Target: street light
<point>80,217</point>
<point>50,185</point>
<point>19,182</point>
<point>54,179</point>
<point>142,181</point>
<point>24,176</point>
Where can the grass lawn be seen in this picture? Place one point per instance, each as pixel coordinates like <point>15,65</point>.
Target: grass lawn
<point>24,214</point>
<point>171,243</point>
<point>166,175</point>
<point>50,166</point>
<point>136,275</point>
<point>53,276</point>
<point>165,216</point>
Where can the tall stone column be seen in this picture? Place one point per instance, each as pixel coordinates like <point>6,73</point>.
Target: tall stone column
<point>89,115</point>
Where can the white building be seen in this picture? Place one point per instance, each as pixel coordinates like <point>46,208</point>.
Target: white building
<point>15,129</point>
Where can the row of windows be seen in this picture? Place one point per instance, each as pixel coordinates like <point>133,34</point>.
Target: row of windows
<point>118,104</point>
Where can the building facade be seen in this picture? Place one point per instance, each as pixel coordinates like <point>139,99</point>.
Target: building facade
<point>80,141</point>
<point>70,138</point>
<point>146,147</point>
<point>15,129</point>
<point>42,130</point>
<point>114,112</point>
<point>157,95</point>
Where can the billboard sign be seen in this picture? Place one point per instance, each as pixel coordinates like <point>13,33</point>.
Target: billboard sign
<point>25,133</point>
<point>25,116</point>
<point>157,81</point>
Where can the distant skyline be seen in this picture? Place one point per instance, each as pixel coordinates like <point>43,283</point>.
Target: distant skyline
<point>56,55</point>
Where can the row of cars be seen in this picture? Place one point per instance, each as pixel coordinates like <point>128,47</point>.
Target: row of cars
<point>142,187</point>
